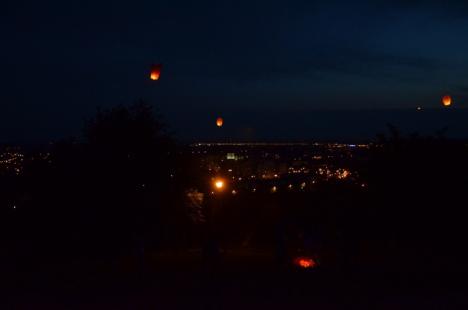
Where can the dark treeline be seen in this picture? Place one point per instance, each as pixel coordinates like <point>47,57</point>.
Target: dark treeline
<point>122,189</point>
<point>417,200</point>
<point>106,194</point>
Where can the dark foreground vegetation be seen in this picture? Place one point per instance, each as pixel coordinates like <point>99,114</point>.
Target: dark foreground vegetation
<point>105,222</point>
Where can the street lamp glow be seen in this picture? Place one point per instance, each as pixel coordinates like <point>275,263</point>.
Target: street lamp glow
<point>219,184</point>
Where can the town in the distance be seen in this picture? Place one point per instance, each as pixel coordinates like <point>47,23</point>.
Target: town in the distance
<point>244,167</point>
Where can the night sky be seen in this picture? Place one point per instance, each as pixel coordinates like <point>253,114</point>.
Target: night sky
<point>275,70</point>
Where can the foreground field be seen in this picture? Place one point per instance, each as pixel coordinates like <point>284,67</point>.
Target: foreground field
<point>240,280</point>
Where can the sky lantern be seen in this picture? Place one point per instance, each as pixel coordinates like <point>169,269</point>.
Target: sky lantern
<point>155,72</point>
<point>219,122</point>
<point>447,101</point>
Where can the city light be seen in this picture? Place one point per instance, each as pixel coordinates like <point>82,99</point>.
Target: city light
<point>11,161</point>
<point>253,166</point>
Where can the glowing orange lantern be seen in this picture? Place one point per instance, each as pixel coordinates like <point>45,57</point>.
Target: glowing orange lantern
<point>305,262</point>
<point>155,72</point>
<point>219,122</point>
<point>447,101</point>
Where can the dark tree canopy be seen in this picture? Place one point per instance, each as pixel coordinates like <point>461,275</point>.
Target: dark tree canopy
<point>132,142</point>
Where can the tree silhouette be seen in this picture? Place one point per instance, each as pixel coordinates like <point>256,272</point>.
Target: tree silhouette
<point>412,218</point>
<point>102,194</point>
<point>129,164</point>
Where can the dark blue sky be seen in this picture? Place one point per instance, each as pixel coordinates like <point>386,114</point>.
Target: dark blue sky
<point>273,69</point>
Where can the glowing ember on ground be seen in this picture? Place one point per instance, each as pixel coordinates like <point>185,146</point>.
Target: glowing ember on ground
<point>305,262</point>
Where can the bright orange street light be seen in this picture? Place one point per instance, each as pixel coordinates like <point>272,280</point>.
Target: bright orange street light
<point>219,184</point>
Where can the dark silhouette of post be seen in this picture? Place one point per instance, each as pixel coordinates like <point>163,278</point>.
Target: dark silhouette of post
<point>211,246</point>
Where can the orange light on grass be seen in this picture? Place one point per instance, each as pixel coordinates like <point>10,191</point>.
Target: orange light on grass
<point>305,262</point>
